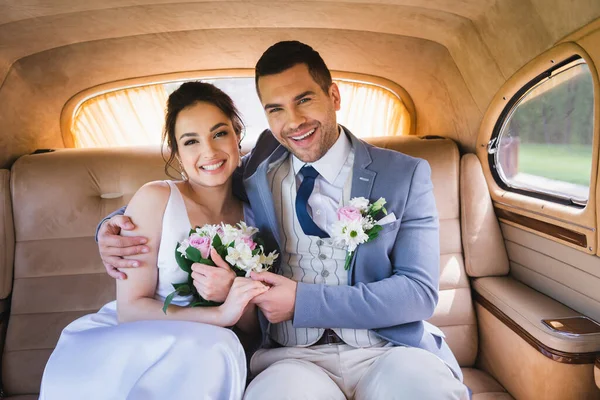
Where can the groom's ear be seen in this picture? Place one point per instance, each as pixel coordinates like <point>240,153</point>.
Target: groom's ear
<point>334,94</point>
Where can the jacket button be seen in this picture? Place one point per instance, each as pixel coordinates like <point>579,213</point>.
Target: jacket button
<point>324,273</point>
<point>322,256</point>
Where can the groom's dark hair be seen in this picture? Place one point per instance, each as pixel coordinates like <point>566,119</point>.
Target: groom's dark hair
<point>285,55</point>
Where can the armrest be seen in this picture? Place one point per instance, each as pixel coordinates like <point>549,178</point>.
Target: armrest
<point>526,308</point>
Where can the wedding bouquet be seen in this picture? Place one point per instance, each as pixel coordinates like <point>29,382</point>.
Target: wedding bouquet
<point>235,244</point>
<point>356,224</point>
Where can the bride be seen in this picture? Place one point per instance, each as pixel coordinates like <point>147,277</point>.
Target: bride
<point>130,349</point>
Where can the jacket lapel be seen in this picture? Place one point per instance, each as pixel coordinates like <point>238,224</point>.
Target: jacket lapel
<point>267,151</point>
<point>362,182</point>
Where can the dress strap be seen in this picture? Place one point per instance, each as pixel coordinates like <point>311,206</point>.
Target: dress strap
<point>176,211</point>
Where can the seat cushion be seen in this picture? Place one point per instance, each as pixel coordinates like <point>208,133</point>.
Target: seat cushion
<point>483,386</point>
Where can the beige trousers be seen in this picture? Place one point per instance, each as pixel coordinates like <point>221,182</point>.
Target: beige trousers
<point>344,372</point>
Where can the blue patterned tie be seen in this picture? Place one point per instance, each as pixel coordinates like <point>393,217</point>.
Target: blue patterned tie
<point>306,187</point>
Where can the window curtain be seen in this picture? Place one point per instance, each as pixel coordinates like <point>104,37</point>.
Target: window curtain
<point>135,116</point>
<point>369,110</point>
<point>128,117</point>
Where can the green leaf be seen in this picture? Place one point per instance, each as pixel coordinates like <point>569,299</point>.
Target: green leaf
<point>204,303</point>
<point>384,210</point>
<point>374,230</point>
<point>183,262</point>
<point>190,283</point>
<point>168,301</point>
<point>217,242</point>
<point>183,289</point>
<point>372,237</point>
<point>206,261</point>
<point>348,260</point>
<point>193,254</point>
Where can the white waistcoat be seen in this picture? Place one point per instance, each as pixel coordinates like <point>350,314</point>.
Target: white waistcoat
<point>309,259</point>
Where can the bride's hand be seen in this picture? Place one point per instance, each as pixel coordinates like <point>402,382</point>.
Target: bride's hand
<point>242,291</point>
<point>213,283</point>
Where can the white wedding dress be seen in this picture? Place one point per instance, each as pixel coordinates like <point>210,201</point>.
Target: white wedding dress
<point>98,358</point>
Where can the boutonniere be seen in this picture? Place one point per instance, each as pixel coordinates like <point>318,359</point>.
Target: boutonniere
<point>356,224</point>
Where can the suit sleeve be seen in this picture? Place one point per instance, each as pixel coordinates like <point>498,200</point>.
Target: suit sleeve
<point>120,211</point>
<point>410,294</point>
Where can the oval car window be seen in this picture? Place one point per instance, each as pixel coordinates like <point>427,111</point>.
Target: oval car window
<point>545,143</point>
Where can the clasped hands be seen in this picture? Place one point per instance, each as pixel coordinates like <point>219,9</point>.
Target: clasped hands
<point>214,283</point>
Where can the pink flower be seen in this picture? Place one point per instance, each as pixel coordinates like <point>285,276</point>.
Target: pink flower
<point>247,240</point>
<point>201,243</point>
<point>349,213</point>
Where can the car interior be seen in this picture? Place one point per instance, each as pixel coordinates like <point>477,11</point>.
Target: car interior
<point>501,97</point>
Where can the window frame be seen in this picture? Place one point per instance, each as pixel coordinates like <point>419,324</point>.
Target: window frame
<point>506,113</point>
<point>72,106</point>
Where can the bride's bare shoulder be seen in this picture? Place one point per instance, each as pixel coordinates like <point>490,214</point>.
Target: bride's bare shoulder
<point>152,196</point>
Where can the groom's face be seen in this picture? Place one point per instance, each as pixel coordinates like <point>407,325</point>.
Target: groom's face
<point>300,114</point>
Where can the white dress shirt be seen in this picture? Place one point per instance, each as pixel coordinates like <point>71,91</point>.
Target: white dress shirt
<point>333,170</point>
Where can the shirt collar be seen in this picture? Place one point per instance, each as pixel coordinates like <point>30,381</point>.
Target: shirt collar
<point>330,165</point>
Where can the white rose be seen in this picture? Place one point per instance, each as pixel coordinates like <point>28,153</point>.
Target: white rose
<point>361,203</point>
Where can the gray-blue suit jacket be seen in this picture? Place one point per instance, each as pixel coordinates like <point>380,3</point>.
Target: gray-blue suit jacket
<point>393,280</point>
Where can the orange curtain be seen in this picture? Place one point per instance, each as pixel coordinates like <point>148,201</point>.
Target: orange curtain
<point>369,110</point>
<point>135,116</point>
<point>128,117</point>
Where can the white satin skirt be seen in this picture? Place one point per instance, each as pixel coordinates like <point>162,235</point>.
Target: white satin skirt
<point>98,358</point>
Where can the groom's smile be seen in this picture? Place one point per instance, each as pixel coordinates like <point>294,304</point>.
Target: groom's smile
<point>300,114</point>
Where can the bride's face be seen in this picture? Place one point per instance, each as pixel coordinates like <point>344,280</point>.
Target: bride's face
<point>207,144</point>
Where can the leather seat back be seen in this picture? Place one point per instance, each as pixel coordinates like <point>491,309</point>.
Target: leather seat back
<point>59,199</point>
<point>454,314</point>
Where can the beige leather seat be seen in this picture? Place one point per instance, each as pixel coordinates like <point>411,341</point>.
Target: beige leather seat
<point>455,315</point>
<point>59,197</point>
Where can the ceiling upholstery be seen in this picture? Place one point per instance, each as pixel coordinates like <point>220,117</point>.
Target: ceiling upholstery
<point>484,42</point>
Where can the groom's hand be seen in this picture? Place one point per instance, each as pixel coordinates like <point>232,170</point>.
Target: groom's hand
<point>278,303</point>
<point>113,247</point>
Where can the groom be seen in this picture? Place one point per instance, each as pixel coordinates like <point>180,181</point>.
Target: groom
<point>329,333</point>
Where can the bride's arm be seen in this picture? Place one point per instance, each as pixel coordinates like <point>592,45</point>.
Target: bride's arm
<point>135,295</point>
